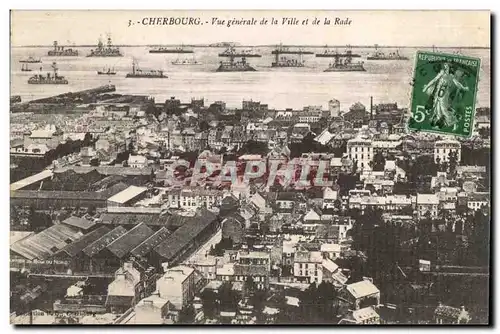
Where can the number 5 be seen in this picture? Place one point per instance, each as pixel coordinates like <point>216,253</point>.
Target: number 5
<point>419,115</point>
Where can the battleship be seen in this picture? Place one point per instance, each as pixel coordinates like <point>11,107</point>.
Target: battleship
<point>379,55</point>
<point>345,64</point>
<point>235,66</point>
<point>174,50</point>
<point>105,51</point>
<point>107,71</point>
<point>25,68</point>
<point>149,74</point>
<point>232,52</point>
<point>60,51</point>
<point>31,60</point>
<point>55,79</point>
<point>287,62</point>
<point>186,62</point>
<point>334,53</point>
<point>285,50</point>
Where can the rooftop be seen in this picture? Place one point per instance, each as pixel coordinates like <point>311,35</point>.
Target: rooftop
<point>128,241</point>
<point>101,243</point>
<point>127,194</point>
<point>81,223</point>
<point>362,289</point>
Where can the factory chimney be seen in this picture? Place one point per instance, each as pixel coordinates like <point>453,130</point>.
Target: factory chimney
<point>371,107</point>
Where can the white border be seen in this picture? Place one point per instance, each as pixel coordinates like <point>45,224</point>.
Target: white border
<point>193,4</point>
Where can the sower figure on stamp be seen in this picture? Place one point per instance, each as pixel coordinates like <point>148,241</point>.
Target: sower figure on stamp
<point>440,88</point>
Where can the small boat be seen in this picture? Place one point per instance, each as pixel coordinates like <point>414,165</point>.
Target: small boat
<point>25,68</point>
<point>186,62</point>
<point>107,71</point>
<point>30,60</point>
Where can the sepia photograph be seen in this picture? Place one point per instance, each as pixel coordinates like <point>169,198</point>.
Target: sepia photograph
<point>250,167</point>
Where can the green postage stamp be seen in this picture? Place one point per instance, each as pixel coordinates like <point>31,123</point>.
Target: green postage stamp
<point>444,93</point>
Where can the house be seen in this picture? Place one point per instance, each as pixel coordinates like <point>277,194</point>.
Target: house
<point>476,201</point>
<point>443,148</point>
<point>427,204</point>
<point>332,273</point>
<point>329,198</point>
<point>364,316</point>
<point>330,251</point>
<point>153,310</point>
<point>360,294</point>
<point>233,227</point>
<point>286,200</point>
<point>124,290</point>
<point>177,285</point>
<point>444,314</point>
<point>137,161</point>
<point>307,266</point>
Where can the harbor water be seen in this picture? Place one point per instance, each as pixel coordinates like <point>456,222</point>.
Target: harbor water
<point>385,80</point>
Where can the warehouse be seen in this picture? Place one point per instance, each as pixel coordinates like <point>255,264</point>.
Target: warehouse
<point>127,196</point>
<point>187,237</point>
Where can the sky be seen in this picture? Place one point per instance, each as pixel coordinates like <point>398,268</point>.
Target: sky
<point>395,28</point>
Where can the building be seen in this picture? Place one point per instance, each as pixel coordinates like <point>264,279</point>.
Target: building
<point>153,310</point>
<point>334,108</point>
<point>50,136</point>
<point>443,148</point>
<point>124,290</point>
<point>427,204</point>
<point>361,151</point>
<point>360,295</point>
<point>233,227</point>
<point>191,235</point>
<point>194,198</point>
<point>177,285</point>
<point>137,161</point>
<point>444,314</point>
<point>127,196</point>
<point>476,201</point>
<point>307,266</point>
<point>364,316</point>
<point>329,198</point>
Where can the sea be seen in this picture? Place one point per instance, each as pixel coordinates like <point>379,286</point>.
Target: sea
<point>385,80</point>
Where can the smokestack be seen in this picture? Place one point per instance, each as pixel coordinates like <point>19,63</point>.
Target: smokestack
<point>371,107</point>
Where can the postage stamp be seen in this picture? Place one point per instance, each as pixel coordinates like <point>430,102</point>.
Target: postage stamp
<point>444,93</point>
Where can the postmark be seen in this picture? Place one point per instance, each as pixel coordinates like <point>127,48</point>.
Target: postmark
<point>444,93</point>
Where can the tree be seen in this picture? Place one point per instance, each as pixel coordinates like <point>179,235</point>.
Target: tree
<point>228,298</point>
<point>378,162</point>
<point>210,304</point>
<point>187,314</point>
<point>249,286</point>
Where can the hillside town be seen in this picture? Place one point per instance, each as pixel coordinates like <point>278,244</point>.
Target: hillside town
<point>126,210</point>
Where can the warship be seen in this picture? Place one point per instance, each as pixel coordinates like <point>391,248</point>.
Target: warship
<point>149,74</point>
<point>235,66</point>
<point>186,62</point>
<point>61,51</point>
<point>287,62</point>
<point>167,50</point>
<point>379,55</point>
<point>105,51</point>
<point>25,68</point>
<point>31,60</point>
<point>280,49</point>
<point>345,64</point>
<point>232,52</point>
<point>328,53</point>
<point>55,79</point>
<point>107,71</point>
